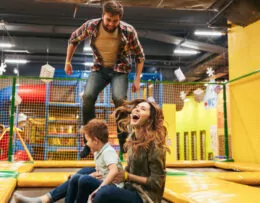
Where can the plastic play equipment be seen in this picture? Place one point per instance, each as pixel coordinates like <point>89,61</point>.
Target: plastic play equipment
<point>20,155</point>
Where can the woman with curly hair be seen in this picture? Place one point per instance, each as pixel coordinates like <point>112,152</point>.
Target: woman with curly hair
<point>144,175</point>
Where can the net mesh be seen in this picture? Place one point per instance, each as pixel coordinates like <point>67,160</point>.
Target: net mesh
<point>49,117</point>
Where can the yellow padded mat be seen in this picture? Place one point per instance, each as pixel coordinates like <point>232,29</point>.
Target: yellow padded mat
<point>42,179</point>
<point>246,178</point>
<point>190,164</point>
<point>205,189</point>
<point>238,166</point>
<point>7,186</point>
<point>20,167</point>
<point>63,164</point>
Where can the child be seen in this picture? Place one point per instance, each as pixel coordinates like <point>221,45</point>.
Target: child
<point>107,163</point>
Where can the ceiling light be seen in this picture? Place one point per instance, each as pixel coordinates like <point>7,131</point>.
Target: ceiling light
<point>87,49</point>
<point>208,33</point>
<point>6,45</point>
<point>21,61</point>
<point>2,23</point>
<point>16,71</point>
<point>185,52</point>
<point>16,51</point>
<point>88,63</point>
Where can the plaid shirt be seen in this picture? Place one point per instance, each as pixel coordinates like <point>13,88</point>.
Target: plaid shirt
<point>128,42</point>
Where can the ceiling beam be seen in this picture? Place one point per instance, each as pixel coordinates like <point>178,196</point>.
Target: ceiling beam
<point>171,39</point>
<point>162,37</point>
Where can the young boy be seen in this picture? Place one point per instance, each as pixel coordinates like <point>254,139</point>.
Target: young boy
<point>82,186</point>
<point>106,161</point>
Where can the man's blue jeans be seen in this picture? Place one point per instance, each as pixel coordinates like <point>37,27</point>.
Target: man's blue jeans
<point>61,191</point>
<point>96,82</point>
<point>80,187</point>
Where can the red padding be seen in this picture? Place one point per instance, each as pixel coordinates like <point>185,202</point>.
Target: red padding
<point>32,93</point>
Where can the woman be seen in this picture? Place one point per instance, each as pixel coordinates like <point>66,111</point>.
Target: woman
<point>144,174</point>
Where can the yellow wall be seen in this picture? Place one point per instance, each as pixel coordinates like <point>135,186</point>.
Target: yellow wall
<point>244,57</point>
<point>169,111</point>
<point>194,117</point>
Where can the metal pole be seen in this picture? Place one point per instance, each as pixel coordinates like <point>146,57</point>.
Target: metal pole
<point>10,148</point>
<point>225,121</point>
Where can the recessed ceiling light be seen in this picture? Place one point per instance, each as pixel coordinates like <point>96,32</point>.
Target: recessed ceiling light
<point>185,52</point>
<point>16,51</point>
<point>21,61</point>
<point>88,63</point>
<point>209,33</point>
<point>6,45</point>
<point>87,48</point>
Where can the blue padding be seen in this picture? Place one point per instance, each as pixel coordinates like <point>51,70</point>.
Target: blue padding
<point>76,74</point>
<point>19,146</point>
<point>5,103</point>
<point>65,82</point>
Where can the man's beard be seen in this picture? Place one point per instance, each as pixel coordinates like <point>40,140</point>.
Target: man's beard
<point>105,28</point>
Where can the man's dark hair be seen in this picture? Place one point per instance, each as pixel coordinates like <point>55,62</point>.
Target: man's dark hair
<point>113,7</point>
<point>96,128</point>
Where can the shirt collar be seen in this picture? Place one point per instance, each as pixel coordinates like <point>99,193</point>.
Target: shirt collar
<point>102,149</point>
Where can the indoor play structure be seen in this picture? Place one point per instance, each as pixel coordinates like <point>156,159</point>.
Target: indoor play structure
<point>228,134</point>
<point>54,114</point>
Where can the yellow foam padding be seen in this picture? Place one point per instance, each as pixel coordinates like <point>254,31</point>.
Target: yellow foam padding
<point>223,165</point>
<point>62,164</point>
<point>238,166</point>
<point>42,179</point>
<point>20,167</point>
<point>7,186</point>
<point>247,178</point>
<point>189,164</point>
<point>207,189</point>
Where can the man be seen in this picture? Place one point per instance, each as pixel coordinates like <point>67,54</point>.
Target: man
<point>112,42</point>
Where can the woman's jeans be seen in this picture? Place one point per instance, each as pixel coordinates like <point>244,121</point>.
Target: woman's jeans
<point>111,193</point>
<point>60,191</point>
<point>96,82</point>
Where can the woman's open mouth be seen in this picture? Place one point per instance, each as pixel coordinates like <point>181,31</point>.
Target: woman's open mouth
<point>135,118</point>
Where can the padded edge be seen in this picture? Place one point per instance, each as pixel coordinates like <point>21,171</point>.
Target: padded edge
<point>238,166</point>
<point>189,164</point>
<point>42,179</point>
<point>62,164</point>
<point>7,186</point>
<point>20,167</point>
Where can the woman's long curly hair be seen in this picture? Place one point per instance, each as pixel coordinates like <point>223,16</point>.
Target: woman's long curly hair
<point>153,131</point>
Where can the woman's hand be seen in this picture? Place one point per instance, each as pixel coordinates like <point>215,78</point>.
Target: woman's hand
<point>120,177</point>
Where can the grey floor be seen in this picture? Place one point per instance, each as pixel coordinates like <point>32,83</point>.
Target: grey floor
<point>35,192</point>
<point>32,192</point>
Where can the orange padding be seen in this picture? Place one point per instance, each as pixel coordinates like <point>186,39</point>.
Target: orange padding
<point>183,189</point>
<point>42,179</point>
<point>246,178</point>
<point>20,167</point>
<point>64,164</point>
<point>7,186</point>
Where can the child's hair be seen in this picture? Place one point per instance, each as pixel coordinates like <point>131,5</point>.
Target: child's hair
<point>154,130</point>
<point>96,128</point>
